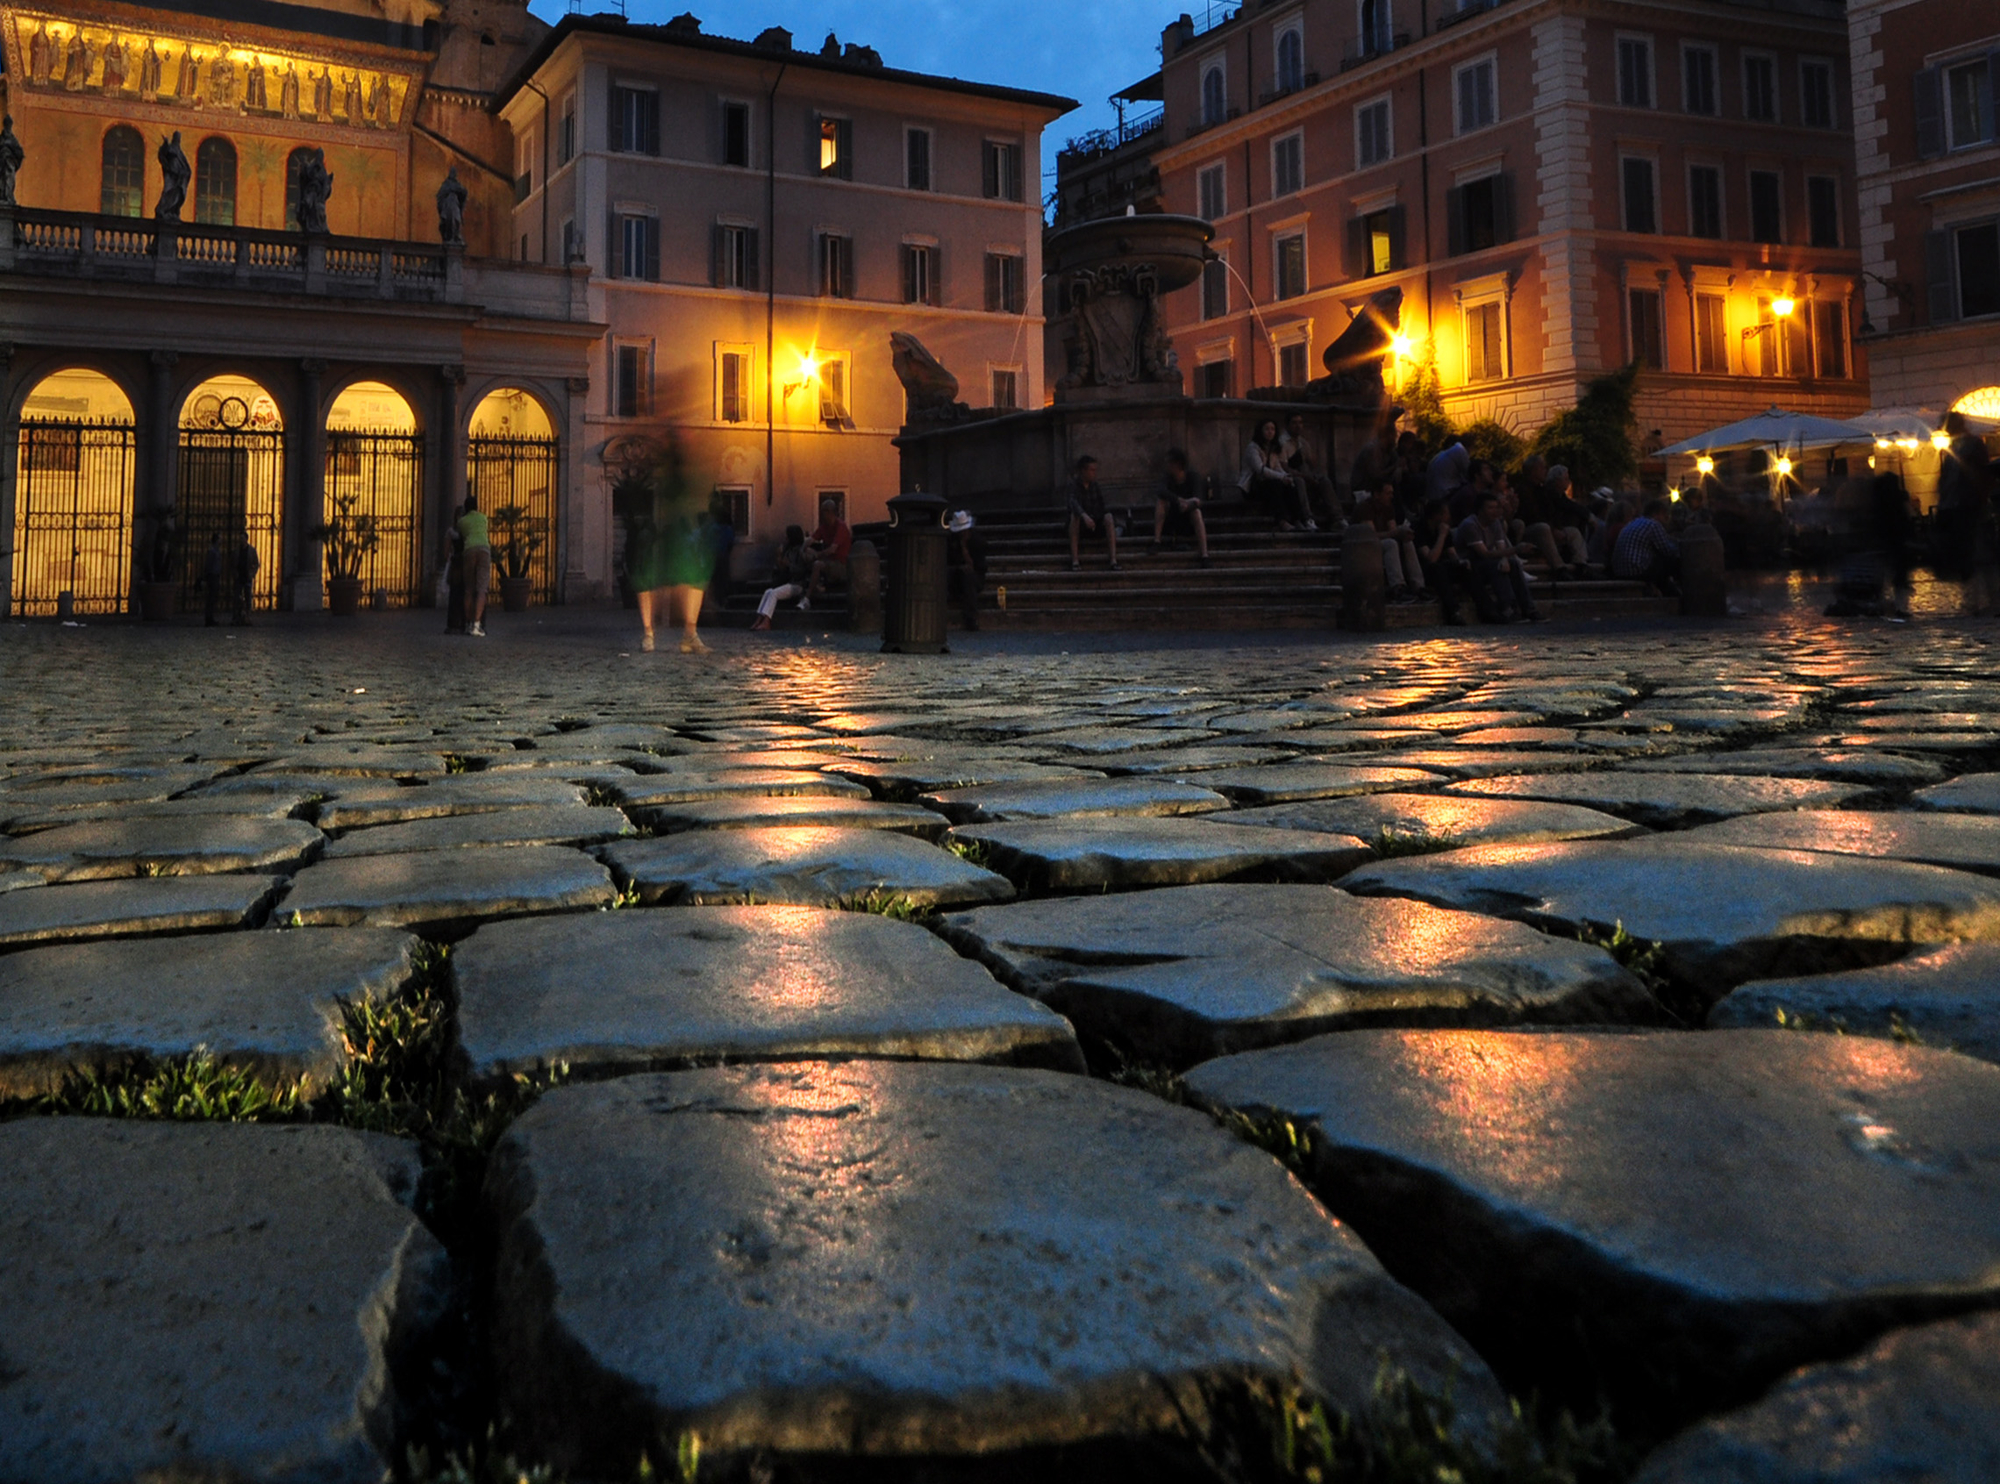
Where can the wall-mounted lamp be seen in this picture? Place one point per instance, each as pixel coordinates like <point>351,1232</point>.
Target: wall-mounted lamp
<point>1401,346</point>
<point>1783,306</point>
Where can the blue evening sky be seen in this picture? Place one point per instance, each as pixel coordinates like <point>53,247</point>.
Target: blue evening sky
<point>1084,51</point>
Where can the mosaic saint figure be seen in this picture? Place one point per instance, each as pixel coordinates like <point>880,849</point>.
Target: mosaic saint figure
<point>323,95</point>
<point>41,57</point>
<point>288,93</point>
<point>184,81</point>
<point>149,74</point>
<point>253,86</point>
<point>174,177</point>
<point>76,67</point>
<point>352,100</point>
<point>384,109</point>
<point>114,66</point>
<point>222,81</point>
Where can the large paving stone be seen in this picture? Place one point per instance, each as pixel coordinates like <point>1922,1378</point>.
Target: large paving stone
<point>1475,762</point>
<point>884,1261</point>
<point>282,804</point>
<point>1076,855</point>
<point>1401,820</point>
<point>444,889</point>
<point>1000,802</point>
<point>1969,841</point>
<point>535,824</point>
<point>1671,1221</point>
<point>677,985</point>
<point>1665,799</point>
<point>1723,913</point>
<point>1188,759</point>
<point>1919,1406</point>
<point>208,1301</point>
<point>1855,765</point>
<point>1973,793</point>
<point>359,760</point>
<point>144,904</point>
<point>468,793</point>
<point>762,783</point>
<point>1948,997</point>
<point>796,812</point>
<point>266,1002</point>
<point>1178,975</point>
<point>183,846</point>
<point>1281,783</point>
<point>799,866</point>
<point>904,780</point>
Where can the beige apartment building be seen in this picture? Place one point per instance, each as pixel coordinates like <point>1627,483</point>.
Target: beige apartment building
<point>758,219</point>
<point>1558,187</point>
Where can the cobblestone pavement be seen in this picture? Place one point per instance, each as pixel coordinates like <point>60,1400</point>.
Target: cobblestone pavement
<point>1069,1056</point>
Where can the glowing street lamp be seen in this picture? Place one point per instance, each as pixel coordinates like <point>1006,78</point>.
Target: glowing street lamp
<point>1783,306</point>
<point>1704,465</point>
<point>1401,346</point>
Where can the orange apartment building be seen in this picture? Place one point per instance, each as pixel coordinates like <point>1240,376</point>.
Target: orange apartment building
<point>1927,80</point>
<point>1558,187</point>
<point>758,219</point>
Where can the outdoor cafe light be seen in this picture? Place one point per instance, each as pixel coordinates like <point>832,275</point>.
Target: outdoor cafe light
<point>1941,440</point>
<point>1783,306</point>
<point>1704,465</point>
<point>1674,494</point>
<point>1784,468</point>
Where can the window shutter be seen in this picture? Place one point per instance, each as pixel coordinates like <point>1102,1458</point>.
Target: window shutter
<point>992,283</point>
<point>1356,263</point>
<point>1396,259</point>
<point>1930,113</point>
<point>1503,207</point>
<point>1938,276</point>
<point>844,130</point>
<point>1454,219</point>
<point>649,113</point>
<point>751,278</point>
<point>614,117</point>
<point>992,168</point>
<point>718,245</point>
<point>614,253</point>
<point>1993,94</point>
<point>652,249</point>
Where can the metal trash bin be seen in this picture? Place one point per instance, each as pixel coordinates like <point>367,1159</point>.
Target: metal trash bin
<point>913,622</point>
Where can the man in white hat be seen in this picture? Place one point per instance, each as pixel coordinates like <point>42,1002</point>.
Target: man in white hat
<point>966,570</point>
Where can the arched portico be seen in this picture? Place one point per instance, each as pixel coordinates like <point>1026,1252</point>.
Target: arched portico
<point>76,457</point>
<point>375,473</point>
<point>513,465</point>
<point>231,483</point>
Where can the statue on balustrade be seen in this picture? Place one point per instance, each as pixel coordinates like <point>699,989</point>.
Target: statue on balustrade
<point>451,209</point>
<point>11,155</point>
<point>315,185</point>
<point>174,177</point>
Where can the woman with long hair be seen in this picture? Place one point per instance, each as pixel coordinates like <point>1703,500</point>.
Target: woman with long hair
<point>1266,480</point>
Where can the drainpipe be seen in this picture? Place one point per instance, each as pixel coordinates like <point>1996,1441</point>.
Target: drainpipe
<point>1249,261</point>
<point>771,286</point>
<point>548,120</point>
<point>1424,168</point>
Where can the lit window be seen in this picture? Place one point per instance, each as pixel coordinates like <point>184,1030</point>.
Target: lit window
<point>1711,334</point>
<point>1378,243</point>
<point>836,148</point>
<point>733,386</point>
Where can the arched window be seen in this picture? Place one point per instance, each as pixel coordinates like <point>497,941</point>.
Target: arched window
<point>1214,101</point>
<point>297,158</point>
<point>1375,24</point>
<point>215,183</point>
<point>124,175</point>
<point>1291,62</point>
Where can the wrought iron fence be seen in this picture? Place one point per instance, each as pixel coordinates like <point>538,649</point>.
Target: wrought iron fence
<point>521,472</point>
<point>232,487</point>
<point>383,474</point>
<point>73,516</point>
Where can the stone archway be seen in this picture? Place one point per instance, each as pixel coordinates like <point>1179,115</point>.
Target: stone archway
<point>76,462</point>
<point>230,484</point>
<point>375,472</point>
<point>513,464</point>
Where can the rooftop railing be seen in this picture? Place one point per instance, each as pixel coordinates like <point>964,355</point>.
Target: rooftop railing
<point>1128,131</point>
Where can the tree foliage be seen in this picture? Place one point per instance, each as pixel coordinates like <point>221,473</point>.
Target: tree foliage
<point>1594,438</point>
<point>1423,402</point>
<point>1489,438</point>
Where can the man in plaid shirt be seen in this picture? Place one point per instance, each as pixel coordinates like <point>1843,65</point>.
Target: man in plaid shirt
<point>1647,552</point>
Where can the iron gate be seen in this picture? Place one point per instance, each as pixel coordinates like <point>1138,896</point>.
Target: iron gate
<point>519,474</point>
<point>232,485</point>
<point>383,474</point>
<point>73,515</point>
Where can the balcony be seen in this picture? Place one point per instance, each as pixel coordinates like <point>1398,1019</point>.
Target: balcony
<point>1365,49</point>
<point>1466,11</point>
<point>1100,142</point>
<point>1279,88</point>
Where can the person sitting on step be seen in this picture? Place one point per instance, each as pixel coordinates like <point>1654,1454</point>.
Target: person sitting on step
<point>1267,482</point>
<point>788,576</point>
<point>828,548</point>
<point>1177,511</point>
<point>1087,513</point>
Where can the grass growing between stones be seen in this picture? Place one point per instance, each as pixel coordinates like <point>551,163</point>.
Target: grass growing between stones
<point>1390,843</point>
<point>194,1087</point>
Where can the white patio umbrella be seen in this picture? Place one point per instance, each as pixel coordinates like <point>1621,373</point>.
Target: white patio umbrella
<point>1895,423</point>
<point>1774,428</point>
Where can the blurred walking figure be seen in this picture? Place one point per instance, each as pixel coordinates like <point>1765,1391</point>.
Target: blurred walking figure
<point>247,563</point>
<point>478,564</point>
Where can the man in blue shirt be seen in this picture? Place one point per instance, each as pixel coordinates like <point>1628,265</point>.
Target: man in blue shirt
<point>1645,551</point>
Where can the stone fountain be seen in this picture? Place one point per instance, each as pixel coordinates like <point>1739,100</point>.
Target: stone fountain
<point>1121,396</point>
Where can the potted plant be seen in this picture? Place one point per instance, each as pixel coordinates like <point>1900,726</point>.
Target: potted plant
<point>515,542</point>
<point>348,538</point>
<point>156,570</point>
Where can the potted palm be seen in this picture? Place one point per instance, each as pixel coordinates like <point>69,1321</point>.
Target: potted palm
<point>515,542</point>
<point>348,538</point>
